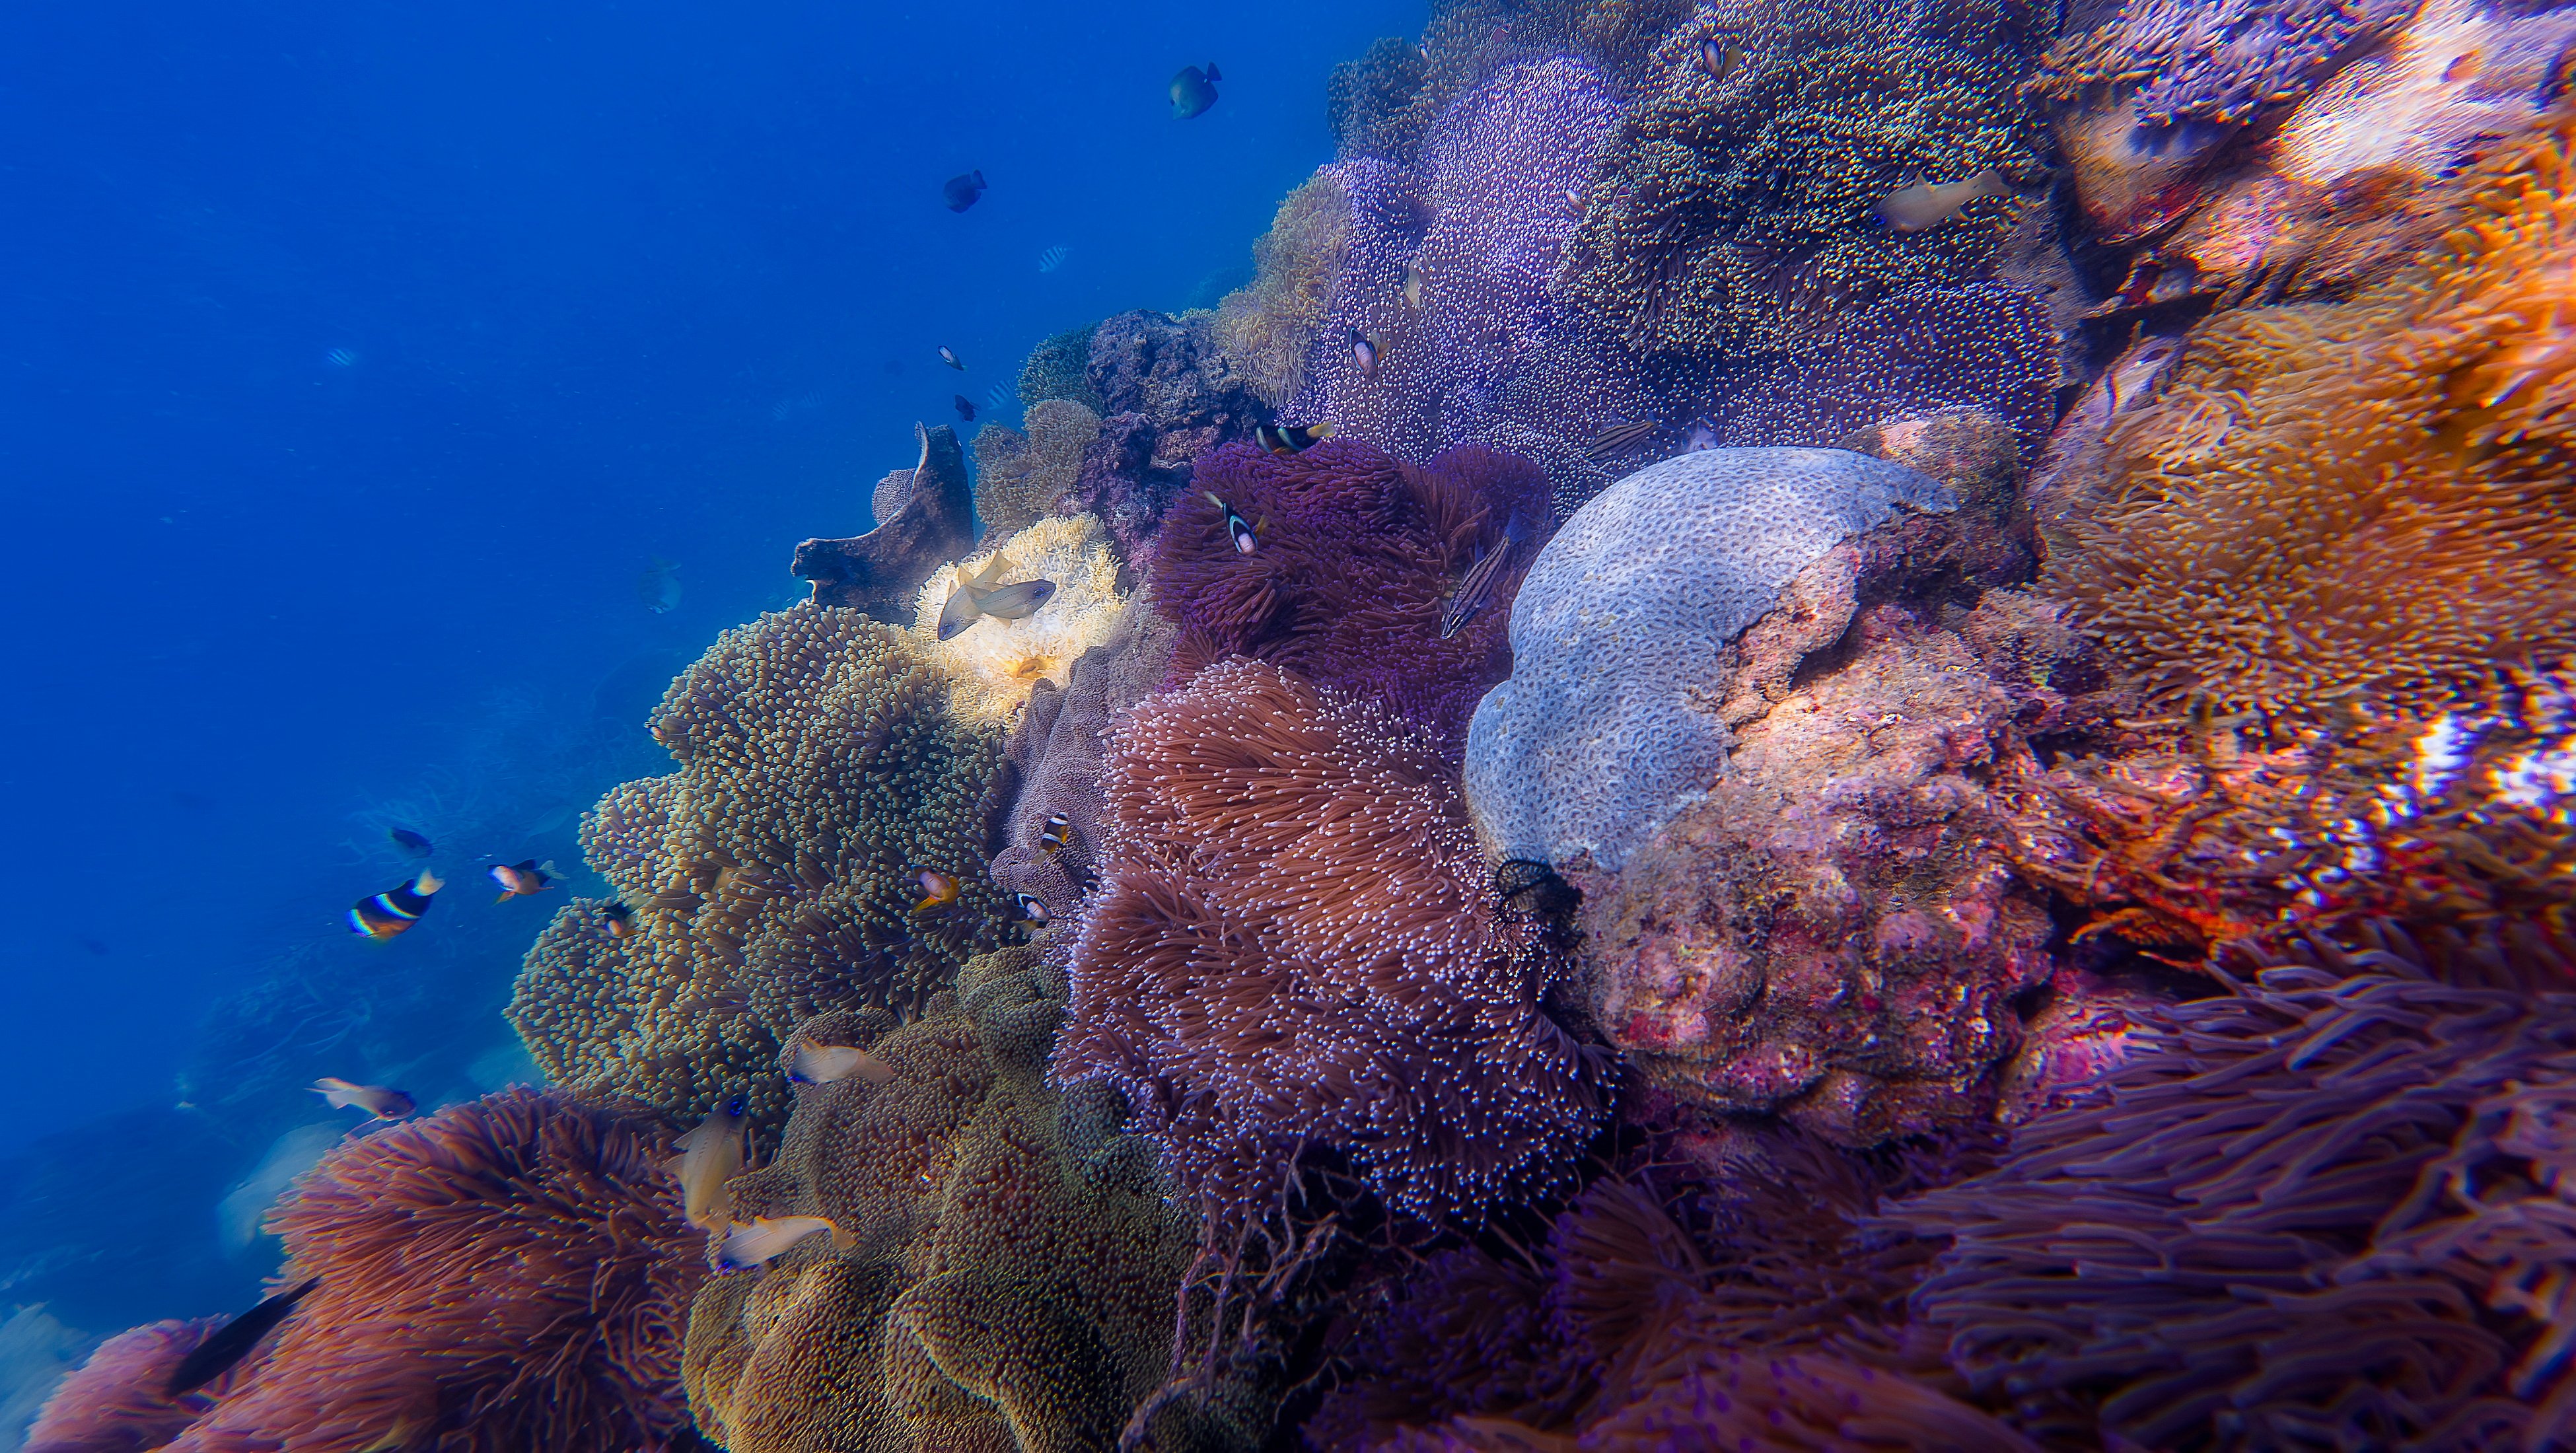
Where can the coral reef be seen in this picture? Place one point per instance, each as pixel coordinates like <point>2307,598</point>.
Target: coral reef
<point>995,663</point>
<point>1055,752</point>
<point>772,877</point>
<point>1168,395</point>
<point>1013,1279</point>
<point>503,1275</point>
<point>1736,215</point>
<point>878,572</point>
<point>1390,208</point>
<point>2327,1210</point>
<point>1266,326</point>
<point>1983,345</point>
<point>1057,369</point>
<point>2324,503</point>
<point>2218,63</point>
<point>113,1403</point>
<point>1626,619</point>
<point>1358,558</point>
<point>1296,943</point>
<point>1019,476</point>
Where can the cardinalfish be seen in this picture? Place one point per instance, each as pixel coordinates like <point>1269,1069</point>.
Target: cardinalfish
<point>518,880</point>
<point>1245,535</point>
<point>709,1156</point>
<point>761,1241</point>
<point>824,1064</point>
<point>1479,581</point>
<point>395,909</point>
<point>619,918</point>
<point>1057,834</point>
<point>982,594</point>
<point>413,845</point>
<point>1363,355</point>
<point>232,1341</point>
<point>1286,439</point>
<point>1911,209</point>
<point>379,1102</point>
<point>948,355</point>
<point>939,890</point>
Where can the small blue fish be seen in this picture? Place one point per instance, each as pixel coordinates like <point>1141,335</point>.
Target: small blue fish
<point>413,845</point>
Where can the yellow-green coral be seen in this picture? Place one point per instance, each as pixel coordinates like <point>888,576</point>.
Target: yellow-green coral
<point>1057,369</point>
<point>773,876</point>
<point>995,663</point>
<point>1013,1279</point>
<point>1020,476</point>
<point>1738,215</point>
<point>2357,500</point>
<point>1265,326</point>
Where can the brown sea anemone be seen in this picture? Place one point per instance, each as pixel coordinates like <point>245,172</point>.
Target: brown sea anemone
<point>113,1403</point>
<point>506,1275</point>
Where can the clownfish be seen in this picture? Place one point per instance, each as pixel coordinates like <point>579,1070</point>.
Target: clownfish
<point>1033,909</point>
<point>940,888</point>
<point>1363,355</point>
<point>518,880</point>
<point>1246,536</point>
<point>1286,439</point>
<point>1057,835</point>
<point>620,920</point>
<point>390,912</point>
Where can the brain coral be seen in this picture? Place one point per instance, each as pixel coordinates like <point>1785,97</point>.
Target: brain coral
<point>995,663</point>
<point>2367,500</point>
<point>773,876</point>
<point>504,1275</point>
<point>2330,1210</point>
<point>1296,942</point>
<point>1358,557</point>
<point>1013,1281</point>
<point>1598,736</point>
<point>1020,476</point>
<point>1737,215</point>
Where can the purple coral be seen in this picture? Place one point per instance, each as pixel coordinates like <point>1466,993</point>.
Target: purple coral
<point>1987,345</point>
<point>1357,557</point>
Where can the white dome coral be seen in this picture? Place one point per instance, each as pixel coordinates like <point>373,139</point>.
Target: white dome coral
<point>995,663</point>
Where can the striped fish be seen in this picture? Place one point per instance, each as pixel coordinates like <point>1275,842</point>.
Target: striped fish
<point>1619,439</point>
<point>1053,258</point>
<point>1479,583</point>
<point>395,909</point>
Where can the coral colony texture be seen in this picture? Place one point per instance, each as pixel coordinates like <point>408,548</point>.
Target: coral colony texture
<point>1905,779</point>
<point>773,876</point>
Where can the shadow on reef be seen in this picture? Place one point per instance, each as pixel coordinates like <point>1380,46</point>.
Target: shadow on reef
<point>1905,779</point>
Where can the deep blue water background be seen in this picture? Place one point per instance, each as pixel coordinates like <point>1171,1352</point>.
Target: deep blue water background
<point>603,282</point>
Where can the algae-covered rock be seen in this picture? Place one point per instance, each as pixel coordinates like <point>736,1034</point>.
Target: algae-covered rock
<point>1624,625</point>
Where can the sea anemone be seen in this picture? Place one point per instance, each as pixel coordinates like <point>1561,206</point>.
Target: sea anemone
<point>996,662</point>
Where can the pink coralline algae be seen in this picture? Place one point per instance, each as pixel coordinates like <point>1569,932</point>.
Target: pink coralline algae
<point>1356,557</point>
<point>1296,945</point>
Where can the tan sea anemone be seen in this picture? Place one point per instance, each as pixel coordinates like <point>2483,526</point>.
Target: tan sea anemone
<point>995,663</point>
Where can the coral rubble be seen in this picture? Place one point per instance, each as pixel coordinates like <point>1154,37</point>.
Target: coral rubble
<point>773,876</point>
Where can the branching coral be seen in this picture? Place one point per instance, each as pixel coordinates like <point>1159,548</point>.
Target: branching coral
<point>507,1274</point>
<point>1019,476</point>
<point>775,875</point>
<point>1266,326</point>
<point>2328,1211</point>
<point>995,662</point>
<point>1296,942</point>
<point>2343,501</point>
<point>1356,558</point>
<point>1737,214</point>
<point>1014,1276</point>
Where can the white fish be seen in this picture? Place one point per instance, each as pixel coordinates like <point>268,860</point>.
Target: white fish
<point>821,1064</point>
<point>1053,258</point>
<point>767,1236</point>
<point>342,357</point>
<point>379,1102</point>
<point>710,1156</point>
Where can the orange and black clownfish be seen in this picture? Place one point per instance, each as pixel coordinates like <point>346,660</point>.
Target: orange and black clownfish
<point>517,880</point>
<point>390,912</point>
<point>1286,439</point>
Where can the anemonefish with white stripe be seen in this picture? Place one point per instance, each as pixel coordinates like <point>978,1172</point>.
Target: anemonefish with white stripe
<point>1285,439</point>
<point>390,912</point>
<point>518,880</point>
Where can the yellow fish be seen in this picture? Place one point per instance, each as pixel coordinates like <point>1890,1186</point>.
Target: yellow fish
<point>821,1064</point>
<point>710,1156</point>
<point>1911,209</point>
<point>766,1236</point>
<point>941,888</point>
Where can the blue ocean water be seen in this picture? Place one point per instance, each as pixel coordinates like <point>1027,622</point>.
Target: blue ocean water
<point>360,358</point>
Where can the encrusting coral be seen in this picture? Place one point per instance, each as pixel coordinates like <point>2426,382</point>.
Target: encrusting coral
<point>2367,501</point>
<point>775,875</point>
<point>1736,213</point>
<point>1020,476</point>
<point>1356,558</point>
<point>1600,734</point>
<point>1296,943</point>
<point>2331,1209</point>
<point>504,1275</point>
<point>994,663</point>
<point>1013,1279</point>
